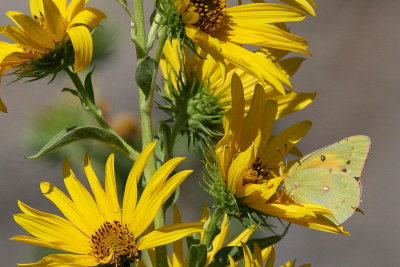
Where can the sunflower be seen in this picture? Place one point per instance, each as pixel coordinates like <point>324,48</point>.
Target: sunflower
<point>96,229</point>
<point>55,36</point>
<point>266,255</point>
<point>197,79</point>
<point>178,256</point>
<point>250,158</point>
<point>222,31</point>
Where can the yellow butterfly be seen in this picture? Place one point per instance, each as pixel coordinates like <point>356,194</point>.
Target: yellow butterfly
<point>330,177</point>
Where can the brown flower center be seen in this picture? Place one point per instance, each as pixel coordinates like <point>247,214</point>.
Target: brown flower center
<point>114,244</point>
<point>211,13</point>
<point>256,173</point>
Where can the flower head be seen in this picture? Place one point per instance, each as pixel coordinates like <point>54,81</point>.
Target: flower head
<point>54,37</point>
<point>266,255</point>
<point>250,158</point>
<point>195,87</point>
<point>96,229</point>
<point>222,31</point>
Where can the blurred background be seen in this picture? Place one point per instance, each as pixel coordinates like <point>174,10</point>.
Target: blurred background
<point>355,71</point>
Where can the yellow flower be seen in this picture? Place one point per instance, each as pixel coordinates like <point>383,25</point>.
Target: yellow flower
<point>177,66</point>
<point>180,259</point>
<point>96,229</point>
<point>222,31</point>
<point>266,255</point>
<point>250,158</point>
<point>54,37</point>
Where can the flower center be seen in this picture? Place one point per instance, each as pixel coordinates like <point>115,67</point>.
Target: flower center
<point>256,173</point>
<point>114,244</point>
<point>211,13</point>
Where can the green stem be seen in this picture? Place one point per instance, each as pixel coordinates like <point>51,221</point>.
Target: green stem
<point>211,227</point>
<point>145,110</point>
<point>132,153</point>
<point>152,36</point>
<point>139,29</point>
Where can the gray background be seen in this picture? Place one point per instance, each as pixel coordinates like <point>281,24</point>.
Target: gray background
<point>355,71</point>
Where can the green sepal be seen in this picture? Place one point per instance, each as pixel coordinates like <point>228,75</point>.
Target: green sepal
<point>197,255</point>
<point>74,134</point>
<point>192,239</point>
<point>163,148</point>
<point>89,86</point>
<point>144,74</point>
<point>72,91</point>
<point>221,258</point>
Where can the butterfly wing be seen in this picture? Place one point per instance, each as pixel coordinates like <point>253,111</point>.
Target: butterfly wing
<point>347,155</point>
<point>331,188</point>
<point>330,177</point>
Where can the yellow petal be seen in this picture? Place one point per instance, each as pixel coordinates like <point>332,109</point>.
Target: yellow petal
<point>111,188</point>
<point>70,238</point>
<point>257,256</point>
<point>89,17</point>
<point>67,207</point>
<point>254,117</point>
<point>269,254</point>
<point>54,20</point>
<point>36,7</point>
<point>281,144</point>
<point>256,65</point>
<point>168,234</point>
<point>3,107</point>
<point>159,177</point>
<point>238,166</point>
<point>149,204</point>
<point>305,5</point>
<point>82,199</point>
<point>38,37</point>
<point>264,13</point>
<point>83,46</point>
<point>243,236</point>
<point>177,246</point>
<point>74,8</point>
<point>105,207</point>
<point>237,111</point>
<point>219,239</point>
<point>248,261</point>
<point>23,39</point>
<point>65,260</point>
<point>130,195</point>
<point>292,102</point>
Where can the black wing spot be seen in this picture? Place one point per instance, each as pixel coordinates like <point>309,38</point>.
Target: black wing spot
<point>344,170</point>
<point>357,179</point>
<point>348,162</point>
<point>323,158</point>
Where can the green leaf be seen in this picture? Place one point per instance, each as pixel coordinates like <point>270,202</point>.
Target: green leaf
<point>89,86</point>
<point>144,74</point>
<point>192,240</point>
<point>197,255</point>
<point>236,252</point>
<point>74,134</point>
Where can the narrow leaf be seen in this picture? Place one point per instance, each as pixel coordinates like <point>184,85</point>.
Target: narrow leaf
<point>197,255</point>
<point>74,134</point>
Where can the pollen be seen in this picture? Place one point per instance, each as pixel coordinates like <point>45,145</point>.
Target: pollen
<point>114,244</point>
<point>211,13</point>
<point>40,19</point>
<point>256,173</point>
